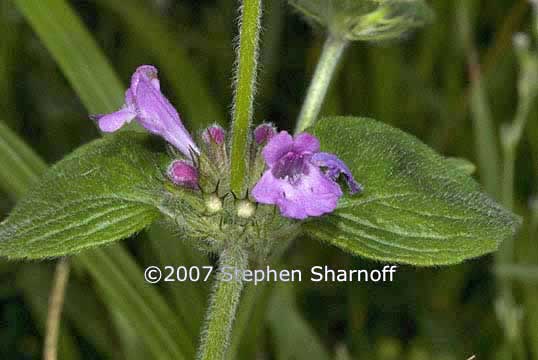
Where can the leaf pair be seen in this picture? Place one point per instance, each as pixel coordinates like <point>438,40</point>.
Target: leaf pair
<point>417,207</point>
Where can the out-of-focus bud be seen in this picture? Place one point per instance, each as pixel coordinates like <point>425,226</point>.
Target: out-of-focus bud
<point>263,133</point>
<point>214,165</point>
<point>528,63</point>
<point>367,20</point>
<point>534,4</point>
<point>463,164</point>
<point>184,174</point>
<point>521,42</point>
<point>214,134</point>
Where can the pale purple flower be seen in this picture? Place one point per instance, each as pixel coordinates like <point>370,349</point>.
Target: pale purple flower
<point>300,180</point>
<point>183,173</point>
<point>145,102</point>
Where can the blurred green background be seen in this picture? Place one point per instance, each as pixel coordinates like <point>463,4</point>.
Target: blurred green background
<point>419,84</point>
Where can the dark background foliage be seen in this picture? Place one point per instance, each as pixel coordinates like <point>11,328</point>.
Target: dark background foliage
<point>419,84</point>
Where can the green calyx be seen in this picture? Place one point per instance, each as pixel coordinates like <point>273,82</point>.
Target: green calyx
<point>211,222</point>
<point>366,20</point>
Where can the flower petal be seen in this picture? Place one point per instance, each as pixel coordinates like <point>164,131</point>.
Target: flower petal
<point>130,100</point>
<point>304,142</point>
<point>268,189</point>
<point>147,73</point>
<point>278,146</point>
<point>335,168</point>
<point>158,116</point>
<point>313,195</point>
<point>114,121</point>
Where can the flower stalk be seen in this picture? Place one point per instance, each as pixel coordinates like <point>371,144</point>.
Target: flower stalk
<point>508,310</point>
<point>245,88</point>
<point>331,55</point>
<point>56,301</point>
<point>223,306</point>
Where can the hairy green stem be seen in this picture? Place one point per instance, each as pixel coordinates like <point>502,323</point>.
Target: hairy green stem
<point>223,306</point>
<point>332,52</point>
<point>245,88</point>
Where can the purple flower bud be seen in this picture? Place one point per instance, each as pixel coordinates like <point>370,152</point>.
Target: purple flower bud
<point>184,174</point>
<point>300,180</point>
<point>145,102</point>
<point>263,133</point>
<point>214,134</point>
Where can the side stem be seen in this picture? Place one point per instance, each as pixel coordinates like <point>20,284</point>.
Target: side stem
<point>332,52</point>
<point>56,301</point>
<point>486,142</point>
<point>223,306</point>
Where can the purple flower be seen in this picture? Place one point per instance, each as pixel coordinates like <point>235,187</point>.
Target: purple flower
<point>184,174</point>
<point>145,102</point>
<point>300,180</point>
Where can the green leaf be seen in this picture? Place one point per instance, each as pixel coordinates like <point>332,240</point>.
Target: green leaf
<point>122,286</point>
<point>75,51</point>
<point>416,207</point>
<point>294,337</point>
<point>19,163</point>
<point>104,191</point>
<point>189,297</point>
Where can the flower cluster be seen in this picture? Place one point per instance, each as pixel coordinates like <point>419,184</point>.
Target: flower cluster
<point>295,175</point>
